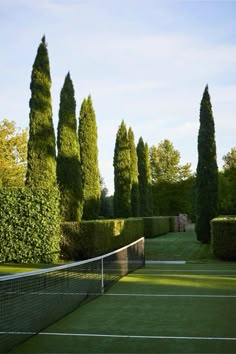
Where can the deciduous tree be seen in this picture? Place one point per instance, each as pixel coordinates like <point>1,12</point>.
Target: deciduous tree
<point>165,163</point>
<point>227,184</point>
<point>13,154</point>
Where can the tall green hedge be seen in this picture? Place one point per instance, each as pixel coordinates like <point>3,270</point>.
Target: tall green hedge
<point>156,226</point>
<point>92,238</point>
<point>223,234</point>
<point>29,225</point>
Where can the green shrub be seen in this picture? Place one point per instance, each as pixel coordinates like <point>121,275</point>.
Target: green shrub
<point>223,240</point>
<point>29,225</point>
<point>156,226</point>
<point>92,238</point>
<point>172,221</point>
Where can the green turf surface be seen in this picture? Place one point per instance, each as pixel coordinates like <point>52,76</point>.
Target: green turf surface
<point>178,246</point>
<point>187,305</point>
<point>12,268</point>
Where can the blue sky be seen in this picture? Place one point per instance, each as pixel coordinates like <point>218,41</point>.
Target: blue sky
<point>144,61</point>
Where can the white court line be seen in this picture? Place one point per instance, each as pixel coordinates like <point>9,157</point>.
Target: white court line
<point>165,262</point>
<point>135,337</point>
<point>119,336</point>
<point>178,275</point>
<point>172,295</point>
<point>192,270</point>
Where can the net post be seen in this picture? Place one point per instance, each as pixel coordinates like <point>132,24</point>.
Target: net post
<point>102,276</point>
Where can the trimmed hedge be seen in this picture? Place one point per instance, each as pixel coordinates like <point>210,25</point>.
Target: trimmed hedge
<point>173,221</point>
<point>156,226</point>
<point>29,225</point>
<point>93,238</point>
<point>223,237</point>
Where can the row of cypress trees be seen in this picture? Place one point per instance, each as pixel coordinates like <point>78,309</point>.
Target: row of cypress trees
<point>133,190</point>
<point>75,168</point>
<point>132,175</point>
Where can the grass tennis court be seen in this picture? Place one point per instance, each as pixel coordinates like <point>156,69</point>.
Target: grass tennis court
<point>187,308</point>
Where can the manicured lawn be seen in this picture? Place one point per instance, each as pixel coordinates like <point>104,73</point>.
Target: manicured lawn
<point>157,309</point>
<point>11,268</point>
<point>160,308</point>
<point>178,246</point>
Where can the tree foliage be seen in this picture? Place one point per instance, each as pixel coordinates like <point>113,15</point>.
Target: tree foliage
<point>122,178</point>
<point>133,175</point>
<point>89,160</point>
<point>13,153</point>
<point>207,171</point>
<point>227,184</point>
<point>144,178</point>
<point>41,168</point>
<point>106,202</point>
<point>165,163</point>
<point>230,160</point>
<point>173,198</point>
<point>68,158</point>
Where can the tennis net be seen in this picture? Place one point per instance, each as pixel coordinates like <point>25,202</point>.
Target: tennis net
<point>29,302</point>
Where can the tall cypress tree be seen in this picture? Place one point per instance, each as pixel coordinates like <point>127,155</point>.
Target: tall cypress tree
<point>121,163</point>
<point>207,171</point>
<point>41,168</point>
<point>68,158</point>
<point>133,175</point>
<point>144,178</point>
<point>89,160</point>
<point>149,180</point>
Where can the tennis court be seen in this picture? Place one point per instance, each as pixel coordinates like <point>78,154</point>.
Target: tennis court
<point>160,308</point>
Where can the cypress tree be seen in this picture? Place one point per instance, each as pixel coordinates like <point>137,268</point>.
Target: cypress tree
<point>207,171</point>
<point>121,163</point>
<point>133,175</point>
<point>144,178</point>
<point>41,168</point>
<point>89,160</point>
<point>68,158</point>
<point>149,180</point>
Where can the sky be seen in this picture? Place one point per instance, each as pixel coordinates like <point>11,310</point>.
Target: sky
<point>144,61</point>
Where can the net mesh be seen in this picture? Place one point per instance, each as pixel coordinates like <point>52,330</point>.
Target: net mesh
<point>29,302</point>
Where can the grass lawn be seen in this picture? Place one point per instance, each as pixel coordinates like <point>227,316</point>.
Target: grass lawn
<point>160,308</point>
<point>11,268</point>
<point>157,309</point>
<point>178,246</point>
